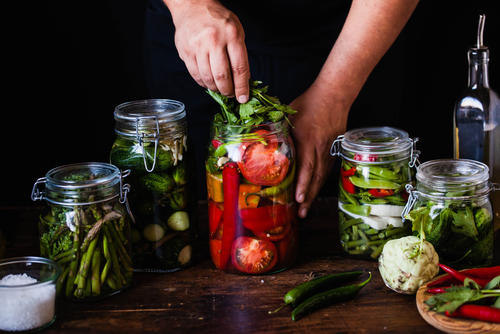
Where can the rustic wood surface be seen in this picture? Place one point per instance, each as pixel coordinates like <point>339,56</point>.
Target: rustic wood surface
<point>451,325</point>
<point>202,299</point>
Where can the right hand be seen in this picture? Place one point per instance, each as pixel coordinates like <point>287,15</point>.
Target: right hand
<point>211,42</point>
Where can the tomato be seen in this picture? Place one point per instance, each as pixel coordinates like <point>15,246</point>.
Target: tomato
<point>287,249</point>
<point>263,164</point>
<point>214,216</point>
<point>215,252</point>
<point>380,192</point>
<point>250,201</point>
<point>253,256</point>
<point>266,217</point>
<point>349,172</point>
<point>275,234</point>
<point>347,185</point>
<point>365,157</point>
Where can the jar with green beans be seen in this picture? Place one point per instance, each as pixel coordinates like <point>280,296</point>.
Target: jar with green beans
<point>85,228</point>
<point>151,141</point>
<point>451,208</point>
<point>377,163</point>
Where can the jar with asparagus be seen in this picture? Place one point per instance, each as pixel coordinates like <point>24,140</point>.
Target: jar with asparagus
<point>85,228</point>
<point>377,163</point>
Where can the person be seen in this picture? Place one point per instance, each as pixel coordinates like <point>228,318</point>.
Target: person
<point>294,46</point>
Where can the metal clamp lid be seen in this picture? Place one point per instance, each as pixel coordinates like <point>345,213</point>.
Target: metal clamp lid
<point>140,139</point>
<point>412,198</point>
<point>36,194</point>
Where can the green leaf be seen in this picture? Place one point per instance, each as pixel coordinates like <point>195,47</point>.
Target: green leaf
<point>463,223</point>
<point>493,284</point>
<point>246,110</point>
<point>452,299</point>
<point>275,115</point>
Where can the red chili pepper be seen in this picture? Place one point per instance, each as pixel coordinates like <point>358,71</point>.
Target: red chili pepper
<point>216,143</point>
<point>461,277</point>
<point>435,291</point>
<point>485,272</point>
<point>348,186</point>
<point>267,217</point>
<point>477,312</point>
<point>231,186</point>
<point>365,157</point>
<point>214,216</point>
<point>381,192</point>
<point>349,172</point>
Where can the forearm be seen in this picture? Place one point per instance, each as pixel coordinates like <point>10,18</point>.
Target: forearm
<point>370,29</point>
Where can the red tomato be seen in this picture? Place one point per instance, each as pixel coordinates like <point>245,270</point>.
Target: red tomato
<point>347,185</point>
<point>253,256</point>
<point>215,252</point>
<point>214,216</point>
<point>275,234</point>
<point>263,164</point>
<point>365,157</point>
<point>286,249</point>
<point>380,192</point>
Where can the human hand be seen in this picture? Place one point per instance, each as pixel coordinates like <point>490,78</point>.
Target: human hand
<point>319,121</point>
<point>211,42</point>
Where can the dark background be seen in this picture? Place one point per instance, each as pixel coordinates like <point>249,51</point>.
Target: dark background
<point>70,63</point>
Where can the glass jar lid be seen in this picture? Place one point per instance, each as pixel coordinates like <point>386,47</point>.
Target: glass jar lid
<point>450,175</point>
<point>147,117</point>
<point>376,140</point>
<point>81,183</point>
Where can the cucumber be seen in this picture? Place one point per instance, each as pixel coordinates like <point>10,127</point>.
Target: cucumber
<point>178,221</point>
<point>153,232</point>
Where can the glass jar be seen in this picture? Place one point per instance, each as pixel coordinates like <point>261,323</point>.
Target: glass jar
<point>250,183</point>
<point>451,208</point>
<point>85,228</point>
<point>377,163</point>
<point>151,141</point>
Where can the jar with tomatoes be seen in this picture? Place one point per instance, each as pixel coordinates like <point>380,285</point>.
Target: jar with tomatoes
<point>250,181</point>
<point>377,163</point>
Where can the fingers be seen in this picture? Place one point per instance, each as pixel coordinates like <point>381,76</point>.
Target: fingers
<point>240,69</point>
<point>312,174</point>
<point>221,71</point>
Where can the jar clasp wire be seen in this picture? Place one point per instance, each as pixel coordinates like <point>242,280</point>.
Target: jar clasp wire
<point>335,148</point>
<point>36,194</point>
<point>140,139</point>
<point>412,198</point>
<point>414,153</point>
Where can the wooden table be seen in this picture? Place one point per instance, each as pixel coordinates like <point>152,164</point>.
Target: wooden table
<point>202,299</point>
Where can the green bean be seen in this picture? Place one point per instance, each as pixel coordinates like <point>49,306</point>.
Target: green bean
<point>370,184</point>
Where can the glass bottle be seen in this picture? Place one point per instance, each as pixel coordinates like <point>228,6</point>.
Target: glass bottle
<point>85,228</point>
<point>151,141</point>
<point>451,208</point>
<point>252,214</point>
<point>476,118</point>
<point>376,165</point>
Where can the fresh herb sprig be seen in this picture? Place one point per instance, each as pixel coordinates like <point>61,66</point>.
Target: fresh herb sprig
<point>456,296</point>
<point>260,108</point>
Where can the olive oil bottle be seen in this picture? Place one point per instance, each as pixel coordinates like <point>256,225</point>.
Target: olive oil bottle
<point>476,118</point>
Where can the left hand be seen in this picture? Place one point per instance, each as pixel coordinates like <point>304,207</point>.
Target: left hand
<point>318,122</point>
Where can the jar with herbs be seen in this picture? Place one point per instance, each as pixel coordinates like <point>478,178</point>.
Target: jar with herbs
<point>450,207</point>
<point>85,228</point>
<point>377,163</point>
<point>251,183</point>
<point>151,141</point>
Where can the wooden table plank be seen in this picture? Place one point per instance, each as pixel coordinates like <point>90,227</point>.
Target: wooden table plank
<point>202,299</point>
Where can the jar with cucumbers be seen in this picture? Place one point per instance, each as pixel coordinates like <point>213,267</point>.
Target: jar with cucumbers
<point>85,228</point>
<point>251,180</point>
<point>151,141</point>
<point>376,164</point>
<point>450,207</point>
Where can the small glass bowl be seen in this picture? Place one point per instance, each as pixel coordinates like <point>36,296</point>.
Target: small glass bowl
<point>31,306</point>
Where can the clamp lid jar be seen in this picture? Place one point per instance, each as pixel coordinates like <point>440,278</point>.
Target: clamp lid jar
<point>451,208</point>
<point>377,162</point>
<point>85,228</point>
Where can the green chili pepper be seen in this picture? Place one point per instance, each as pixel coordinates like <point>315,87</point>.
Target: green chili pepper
<point>370,183</point>
<point>327,298</point>
<point>275,190</point>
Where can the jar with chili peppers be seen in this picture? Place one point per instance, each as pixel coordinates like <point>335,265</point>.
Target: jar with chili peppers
<point>377,163</point>
<point>451,208</point>
<point>250,181</point>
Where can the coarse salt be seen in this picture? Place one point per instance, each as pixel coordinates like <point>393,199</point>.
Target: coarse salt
<point>24,308</point>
